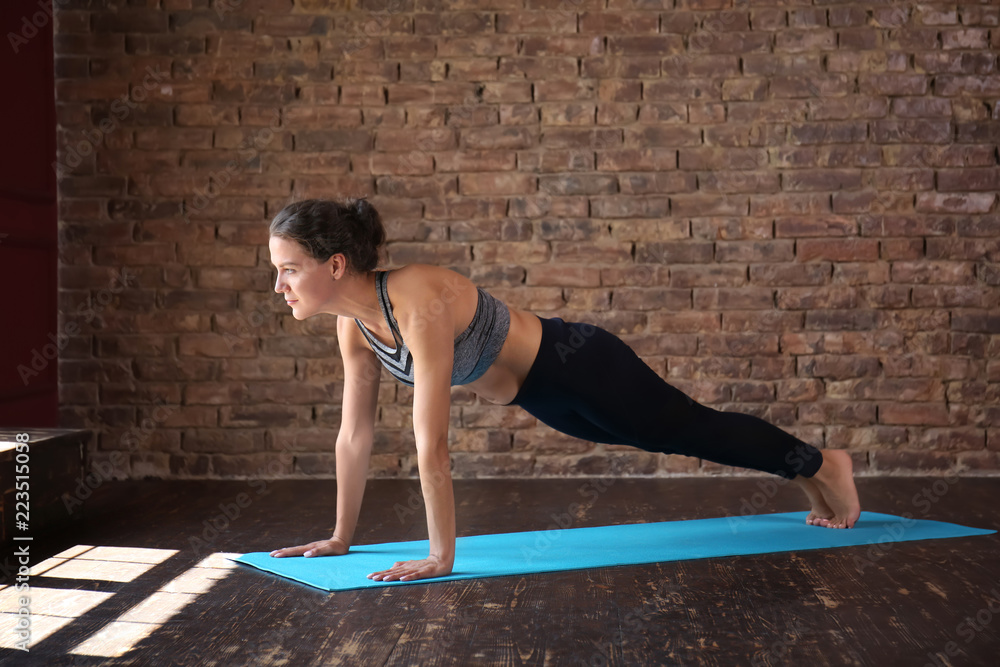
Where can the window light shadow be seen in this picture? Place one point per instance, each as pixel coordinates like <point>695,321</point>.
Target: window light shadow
<point>115,589</point>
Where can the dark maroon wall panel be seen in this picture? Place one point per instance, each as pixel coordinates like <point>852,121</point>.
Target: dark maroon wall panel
<point>28,241</point>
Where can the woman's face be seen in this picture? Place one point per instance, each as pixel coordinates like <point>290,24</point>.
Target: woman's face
<point>306,283</point>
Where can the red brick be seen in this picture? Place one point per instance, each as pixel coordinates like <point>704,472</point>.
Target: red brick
<point>647,159</point>
<point>757,320</point>
<point>968,179</point>
<point>740,344</point>
<point>650,230</point>
<point>754,251</point>
<point>599,253</point>
<point>740,181</point>
<point>923,414</point>
<point>228,441</point>
<point>607,67</point>
<point>610,113</point>
<point>568,114</point>
<point>210,255</point>
<point>707,276</point>
<point>823,226</point>
<point>910,461</point>
<point>130,21</point>
<point>717,367</point>
<point>741,297</point>
<point>582,46</point>
<point>509,252</point>
<point>716,41</point>
<point>215,345</point>
<point>545,22</point>
<point>518,114</point>
<point>976,321</point>
<point>653,298</point>
<point>414,187</point>
<point>89,44</point>
<point>462,209</point>
<point>479,45</point>
<point>932,272</point>
<point>254,466</point>
<point>629,23</point>
<point>440,253</point>
<point>472,466</point>
<point>497,184</point>
<point>562,185</point>
<point>564,276</point>
<point>966,38</point>
<point>164,44</point>
<point>708,205</point>
<point>536,207</point>
<point>677,270</point>
<point>955,203</point>
<point>837,250</point>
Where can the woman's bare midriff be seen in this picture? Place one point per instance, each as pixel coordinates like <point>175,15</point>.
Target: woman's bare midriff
<point>505,376</point>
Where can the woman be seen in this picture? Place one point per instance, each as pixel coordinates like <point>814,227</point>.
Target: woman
<point>432,329</point>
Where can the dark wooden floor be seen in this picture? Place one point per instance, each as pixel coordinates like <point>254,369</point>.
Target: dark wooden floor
<point>908,604</point>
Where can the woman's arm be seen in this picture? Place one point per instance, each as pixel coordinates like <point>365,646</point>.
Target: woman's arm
<point>431,342</point>
<point>354,440</point>
<point>362,371</point>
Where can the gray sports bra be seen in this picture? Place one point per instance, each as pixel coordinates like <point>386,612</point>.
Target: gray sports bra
<point>476,348</point>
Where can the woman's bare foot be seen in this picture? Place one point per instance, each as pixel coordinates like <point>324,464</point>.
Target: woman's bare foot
<point>835,481</point>
<point>820,510</point>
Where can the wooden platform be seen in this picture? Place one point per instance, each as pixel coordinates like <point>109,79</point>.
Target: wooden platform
<point>55,462</point>
<point>137,584</point>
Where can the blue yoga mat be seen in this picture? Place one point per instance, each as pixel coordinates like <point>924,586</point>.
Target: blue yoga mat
<point>602,546</point>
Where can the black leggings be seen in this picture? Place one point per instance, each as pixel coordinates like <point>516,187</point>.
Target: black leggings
<point>587,383</point>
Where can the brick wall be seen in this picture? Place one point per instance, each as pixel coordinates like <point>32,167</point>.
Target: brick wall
<point>787,208</point>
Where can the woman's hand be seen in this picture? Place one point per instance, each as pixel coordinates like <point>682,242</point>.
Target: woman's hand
<point>409,570</point>
<point>331,547</point>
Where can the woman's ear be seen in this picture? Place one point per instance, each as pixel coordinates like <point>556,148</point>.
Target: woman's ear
<point>338,266</point>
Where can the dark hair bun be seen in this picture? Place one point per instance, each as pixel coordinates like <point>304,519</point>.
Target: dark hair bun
<point>325,227</point>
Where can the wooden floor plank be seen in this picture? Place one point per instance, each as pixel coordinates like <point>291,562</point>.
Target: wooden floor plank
<point>902,604</point>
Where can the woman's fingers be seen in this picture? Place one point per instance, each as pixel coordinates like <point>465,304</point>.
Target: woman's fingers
<point>408,571</point>
<point>321,548</point>
<point>392,574</point>
<point>290,551</point>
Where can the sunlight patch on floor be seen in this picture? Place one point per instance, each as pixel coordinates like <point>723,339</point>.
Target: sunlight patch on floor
<point>54,608</point>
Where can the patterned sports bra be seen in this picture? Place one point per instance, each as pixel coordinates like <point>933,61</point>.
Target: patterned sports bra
<point>476,348</point>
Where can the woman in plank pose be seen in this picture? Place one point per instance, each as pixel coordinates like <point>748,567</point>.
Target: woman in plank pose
<point>432,328</point>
